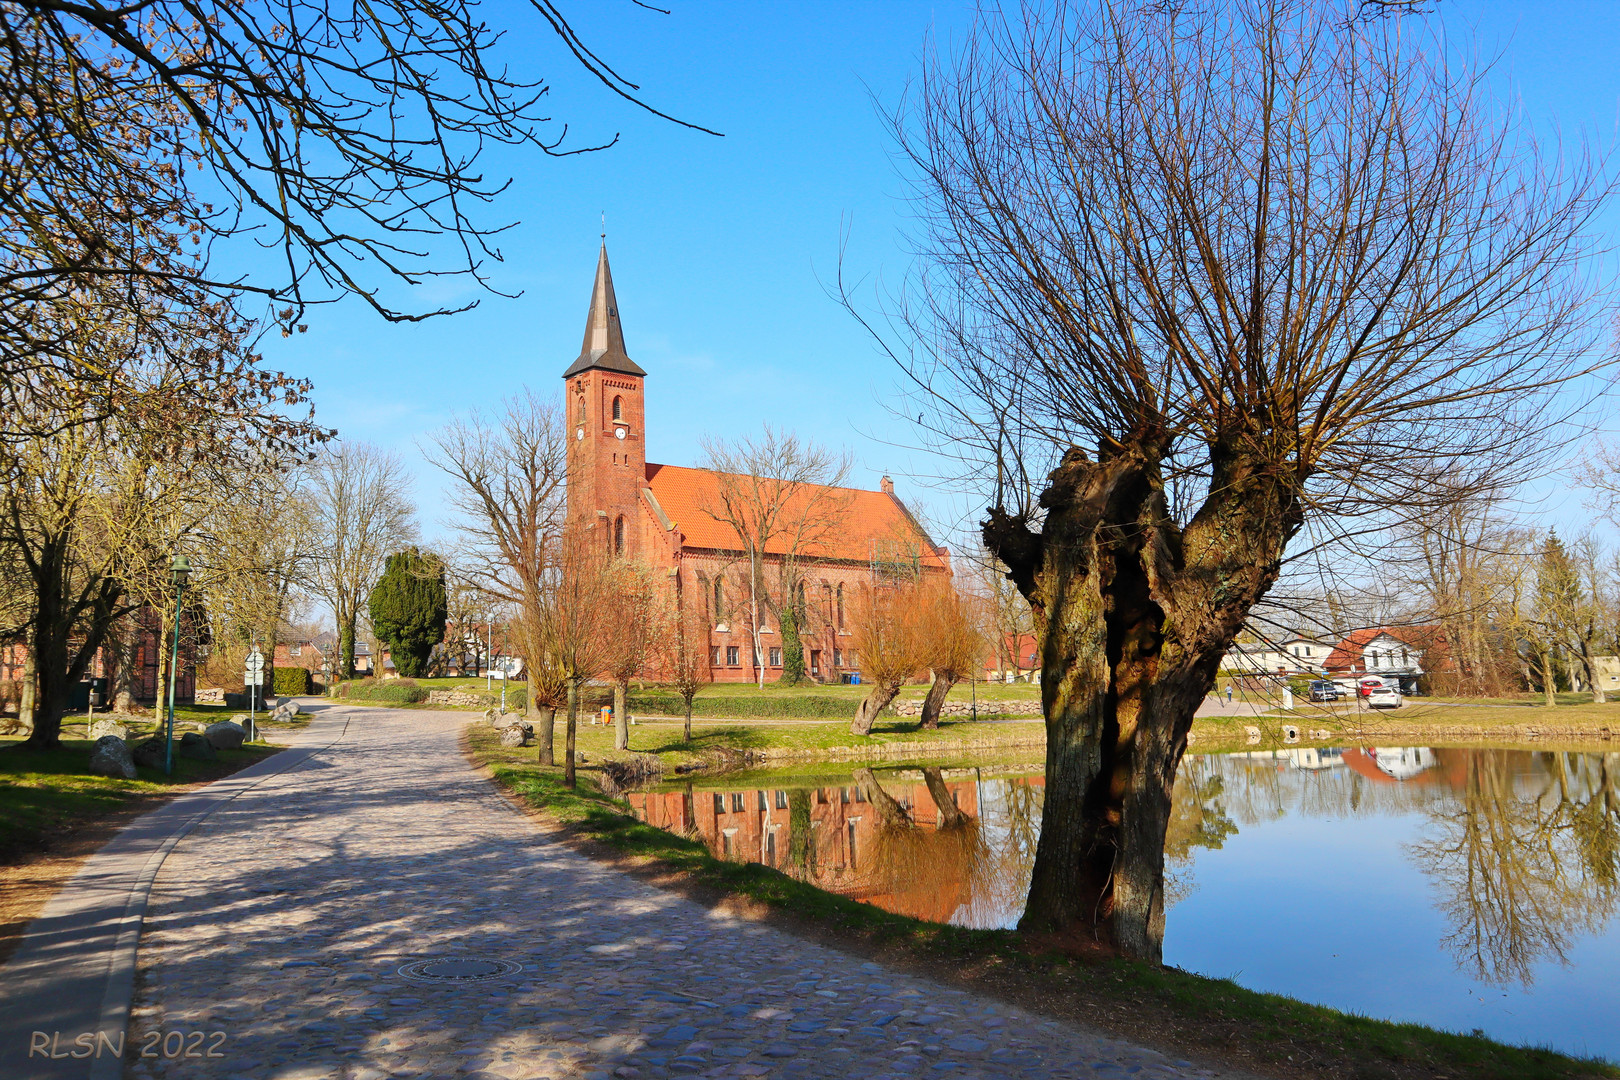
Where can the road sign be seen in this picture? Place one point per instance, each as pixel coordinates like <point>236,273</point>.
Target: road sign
<point>253,670</point>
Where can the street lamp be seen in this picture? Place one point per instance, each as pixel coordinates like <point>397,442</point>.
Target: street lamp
<point>179,570</point>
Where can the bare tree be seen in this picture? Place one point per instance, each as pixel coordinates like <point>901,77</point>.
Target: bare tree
<point>690,668</point>
<point>363,511</point>
<point>507,475</point>
<point>951,641</point>
<point>785,499</point>
<point>890,648</point>
<point>1199,281</point>
<point>635,631</point>
<point>572,620</point>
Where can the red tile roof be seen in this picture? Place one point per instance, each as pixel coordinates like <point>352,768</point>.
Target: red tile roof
<point>876,524</point>
<point>1348,652</point>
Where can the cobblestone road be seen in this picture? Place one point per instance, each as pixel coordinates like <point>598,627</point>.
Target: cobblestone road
<point>282,923</point>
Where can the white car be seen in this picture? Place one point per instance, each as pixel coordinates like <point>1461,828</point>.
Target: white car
<point>1384,697</point>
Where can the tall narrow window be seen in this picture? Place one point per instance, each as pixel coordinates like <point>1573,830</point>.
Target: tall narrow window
<point>840,605</point>
<point>719,600</point>
<point>618,408</point>
<point>618,536</point>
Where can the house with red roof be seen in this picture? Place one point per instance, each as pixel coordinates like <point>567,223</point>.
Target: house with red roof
<point>1399,654</point>
<point>665,515</point>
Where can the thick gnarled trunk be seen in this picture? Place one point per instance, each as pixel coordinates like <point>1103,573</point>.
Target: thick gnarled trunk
<point>876,700</point>
<point>1137,615</point>
<point>933,701</point>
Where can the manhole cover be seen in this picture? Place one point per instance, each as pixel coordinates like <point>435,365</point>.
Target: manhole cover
<point>459,969</point>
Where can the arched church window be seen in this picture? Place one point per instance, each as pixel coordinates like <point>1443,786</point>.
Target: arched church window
<point>719,600</point>
<point>618,536</point>
<point>840,605</point>
<point>618,408</point>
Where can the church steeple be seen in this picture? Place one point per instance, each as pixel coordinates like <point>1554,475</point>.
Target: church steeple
<point>604,337</point>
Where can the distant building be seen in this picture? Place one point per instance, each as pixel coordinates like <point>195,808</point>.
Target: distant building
<point>1401,654</point>
<point>661,515</point>
<point>1294,656</point>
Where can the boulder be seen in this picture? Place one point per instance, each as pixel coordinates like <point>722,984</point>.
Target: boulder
<point>240,718</point>
<point>149,754</point>
<point>516,735</point>
<point>111,757</point>
<point>225,735</point>
<point>101,728</point>
<point>196,747</point>
<point>503,720</point>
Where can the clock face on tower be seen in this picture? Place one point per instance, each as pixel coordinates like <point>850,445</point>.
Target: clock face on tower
<point>618,433</point>
<point>580,434</point>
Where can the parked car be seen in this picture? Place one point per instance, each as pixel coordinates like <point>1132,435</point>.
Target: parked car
<point>1370,683</point>
<point>1384,697</point>
<point>1325,690</point>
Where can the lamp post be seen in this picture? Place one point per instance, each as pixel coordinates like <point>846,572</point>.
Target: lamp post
<point>179,570</point>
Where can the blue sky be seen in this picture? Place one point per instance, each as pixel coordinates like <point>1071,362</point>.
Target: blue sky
<point>723,248</point>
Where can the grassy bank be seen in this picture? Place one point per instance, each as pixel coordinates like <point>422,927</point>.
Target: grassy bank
<point>45,796</point>
<point>1167,1008</point>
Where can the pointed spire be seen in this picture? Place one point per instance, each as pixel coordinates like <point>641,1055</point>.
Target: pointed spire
<point>604,337</point>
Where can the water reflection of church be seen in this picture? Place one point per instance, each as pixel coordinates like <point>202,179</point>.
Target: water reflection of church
<point>832,837</point>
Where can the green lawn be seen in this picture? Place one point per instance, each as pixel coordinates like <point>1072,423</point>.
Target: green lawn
<point>1133,999</point>
<point>47,793</point>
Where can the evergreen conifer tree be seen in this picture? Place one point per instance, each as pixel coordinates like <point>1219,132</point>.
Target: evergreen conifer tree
<point>409,608</point>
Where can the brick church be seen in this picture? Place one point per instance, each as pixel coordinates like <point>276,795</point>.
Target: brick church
<point>665,516</point>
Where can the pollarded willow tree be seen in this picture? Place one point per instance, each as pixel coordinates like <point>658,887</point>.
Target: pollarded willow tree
<point>1194,278</point>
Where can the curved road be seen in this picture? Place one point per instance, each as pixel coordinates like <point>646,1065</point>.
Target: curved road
<point>278,926</point>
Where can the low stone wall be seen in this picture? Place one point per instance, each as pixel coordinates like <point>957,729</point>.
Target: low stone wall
<point>457,697</point>
<point>958,709</point>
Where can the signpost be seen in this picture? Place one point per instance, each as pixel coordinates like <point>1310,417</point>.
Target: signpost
<point>253,676</point>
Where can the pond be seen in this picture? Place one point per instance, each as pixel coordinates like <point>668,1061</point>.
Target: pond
<point>1464,889</point>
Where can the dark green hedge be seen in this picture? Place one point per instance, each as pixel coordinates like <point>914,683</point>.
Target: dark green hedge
<point>394,691</point>
<point>290,680</point>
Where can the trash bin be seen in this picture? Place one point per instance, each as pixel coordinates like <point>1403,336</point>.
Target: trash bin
<point>79,697</point>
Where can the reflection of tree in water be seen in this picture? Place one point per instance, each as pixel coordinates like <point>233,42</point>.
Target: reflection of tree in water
<point>1525,859</point>
<point>928,872</point>
<point>1198,819</point>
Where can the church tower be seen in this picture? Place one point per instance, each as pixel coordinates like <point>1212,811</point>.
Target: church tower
<point>607,452</point>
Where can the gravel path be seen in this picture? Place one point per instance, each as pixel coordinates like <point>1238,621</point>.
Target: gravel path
<point>278,929</point>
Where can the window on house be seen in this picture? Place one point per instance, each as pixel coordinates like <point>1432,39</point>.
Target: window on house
<point>719,600</point>
<point>732,656</point>
<point>618,408</point>
<point>770,849</point>
<point>815,661</point>
<point>714,656</point>
<point>852,845</point>
<point>840,605</point>
<point>719,803</point>
<point>618,536</point>
<point>838,658</point>
<point>725,843</point>
<point>738,802</point>
<point>295,649</point>
<point>781,800</point>
<point>854,661</point>
<point>776,658</point>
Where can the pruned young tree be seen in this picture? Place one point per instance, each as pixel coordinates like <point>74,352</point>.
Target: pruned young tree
<point>890,648</point>
<point>1199,282</point>
<point>951,641</point>
<point>690,669</point>
<point>572,621</point>
<point>635,629</point>
<point>361,499</point>
<point>785,499</point>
